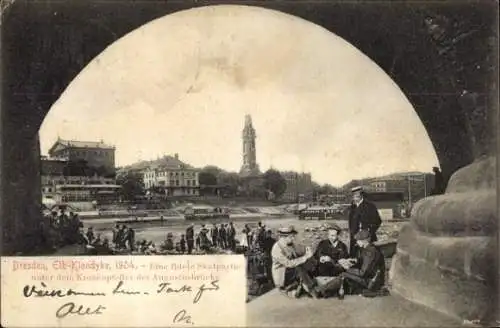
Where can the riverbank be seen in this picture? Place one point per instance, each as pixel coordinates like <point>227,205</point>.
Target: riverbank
<point>309,230</point>
<point>172,221</point>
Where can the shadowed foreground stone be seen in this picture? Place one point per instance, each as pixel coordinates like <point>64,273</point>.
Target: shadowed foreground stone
<point>275,309</point>
<point>446,256</point>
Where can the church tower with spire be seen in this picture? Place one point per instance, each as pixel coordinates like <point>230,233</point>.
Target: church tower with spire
<point>250,166</point>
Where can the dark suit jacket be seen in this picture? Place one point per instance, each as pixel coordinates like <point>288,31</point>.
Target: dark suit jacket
<point>214,232</point>
<point>231,232</point>
<point>326,248</point>
<point>370,261</point>
<point>367,215</point>
<point>189,233</point>
<point>353,220</point>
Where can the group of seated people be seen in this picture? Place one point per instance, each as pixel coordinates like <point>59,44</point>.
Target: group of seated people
<point>60,229</point>
<point>328,270</point>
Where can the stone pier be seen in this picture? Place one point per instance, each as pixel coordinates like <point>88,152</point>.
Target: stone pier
<point>446,256</point>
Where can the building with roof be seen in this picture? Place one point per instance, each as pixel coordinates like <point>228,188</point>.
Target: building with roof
<point>98,155</point>
<point>297,185</point>
<point>172,176</point>
<point>413,185</point>
<point>60,186</point>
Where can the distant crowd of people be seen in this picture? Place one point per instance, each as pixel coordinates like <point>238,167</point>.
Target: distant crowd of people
<point>59,228</point>
<point>216,239</point>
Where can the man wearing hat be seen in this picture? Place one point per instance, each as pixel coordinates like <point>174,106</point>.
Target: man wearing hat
<point>367,272</point>
<point>288,267</point>
<point>214,233</point>
<point>439,185</point>
<point>231,236</point>
<point>329,251</point>
<point>353,229</point>
<point>190,238</point>
<point>365,215</point>
<point>204,241</point>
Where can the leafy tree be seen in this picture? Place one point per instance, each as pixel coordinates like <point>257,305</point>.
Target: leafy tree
<point>132,184</point>
<point>207,178</point>
<point>103,171</point>
<point>230,180</point>
<point>212,169</point>
<point>274,182</point>
<point>327,189</point>
<point>256,188</point>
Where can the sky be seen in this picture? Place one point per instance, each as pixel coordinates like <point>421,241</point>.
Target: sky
<point>184,82</point>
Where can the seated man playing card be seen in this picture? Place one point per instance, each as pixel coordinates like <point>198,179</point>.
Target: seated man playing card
<point>329,252</point>
<point>289,267</point>
<point>367,272</point>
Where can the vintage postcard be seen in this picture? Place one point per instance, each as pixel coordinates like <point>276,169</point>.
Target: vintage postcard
<point>249,163</point>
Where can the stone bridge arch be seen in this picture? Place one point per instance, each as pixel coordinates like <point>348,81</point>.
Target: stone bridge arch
<point>442,55</point>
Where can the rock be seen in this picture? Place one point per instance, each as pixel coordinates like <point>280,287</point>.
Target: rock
<point>448,292</point>
<point>459,214</point>
<point>446,256</point>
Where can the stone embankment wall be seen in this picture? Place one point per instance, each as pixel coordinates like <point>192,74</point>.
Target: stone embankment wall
<point>446,256</point>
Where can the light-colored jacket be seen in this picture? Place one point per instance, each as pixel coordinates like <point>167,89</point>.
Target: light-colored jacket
<point>284,257</point>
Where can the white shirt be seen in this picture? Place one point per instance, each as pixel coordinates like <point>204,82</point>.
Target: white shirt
<point>334,243</point>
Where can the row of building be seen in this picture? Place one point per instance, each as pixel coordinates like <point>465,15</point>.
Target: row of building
<point>81,171</point>
<point>65,179</point>
<point>77,171</point>
<point>410,186</point>
<point>180,179</point>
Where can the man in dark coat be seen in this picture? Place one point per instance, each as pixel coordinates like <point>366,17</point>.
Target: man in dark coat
<point>268,243</point>
<point>130,238</point>
<point>231,236</point>
<point>116,230</point>
<point>367,271</point>
<point>366,213</point>
<point>183,244</point>
<point>190,238</point>
<point>439,185</point>
<point>329,252</point>
<point>260,234</point>
<point>204,241</point>
<point>223,236</point>
<point>90,235</point>
<point>214,233</point>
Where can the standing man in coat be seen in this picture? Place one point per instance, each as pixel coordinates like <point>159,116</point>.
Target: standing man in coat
<point>231,236</point>
<point>366,214</point>
<point>190,238</point>
<point>353,229</point>
<point>214,233</point>
<point>223,236</point>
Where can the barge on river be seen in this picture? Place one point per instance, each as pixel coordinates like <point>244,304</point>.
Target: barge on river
<point>205,213</point>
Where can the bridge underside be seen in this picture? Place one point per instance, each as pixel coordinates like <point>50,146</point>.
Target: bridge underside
<point>433,52</point>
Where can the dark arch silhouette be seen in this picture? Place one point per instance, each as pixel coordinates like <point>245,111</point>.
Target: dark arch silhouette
<point>46,44</point>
